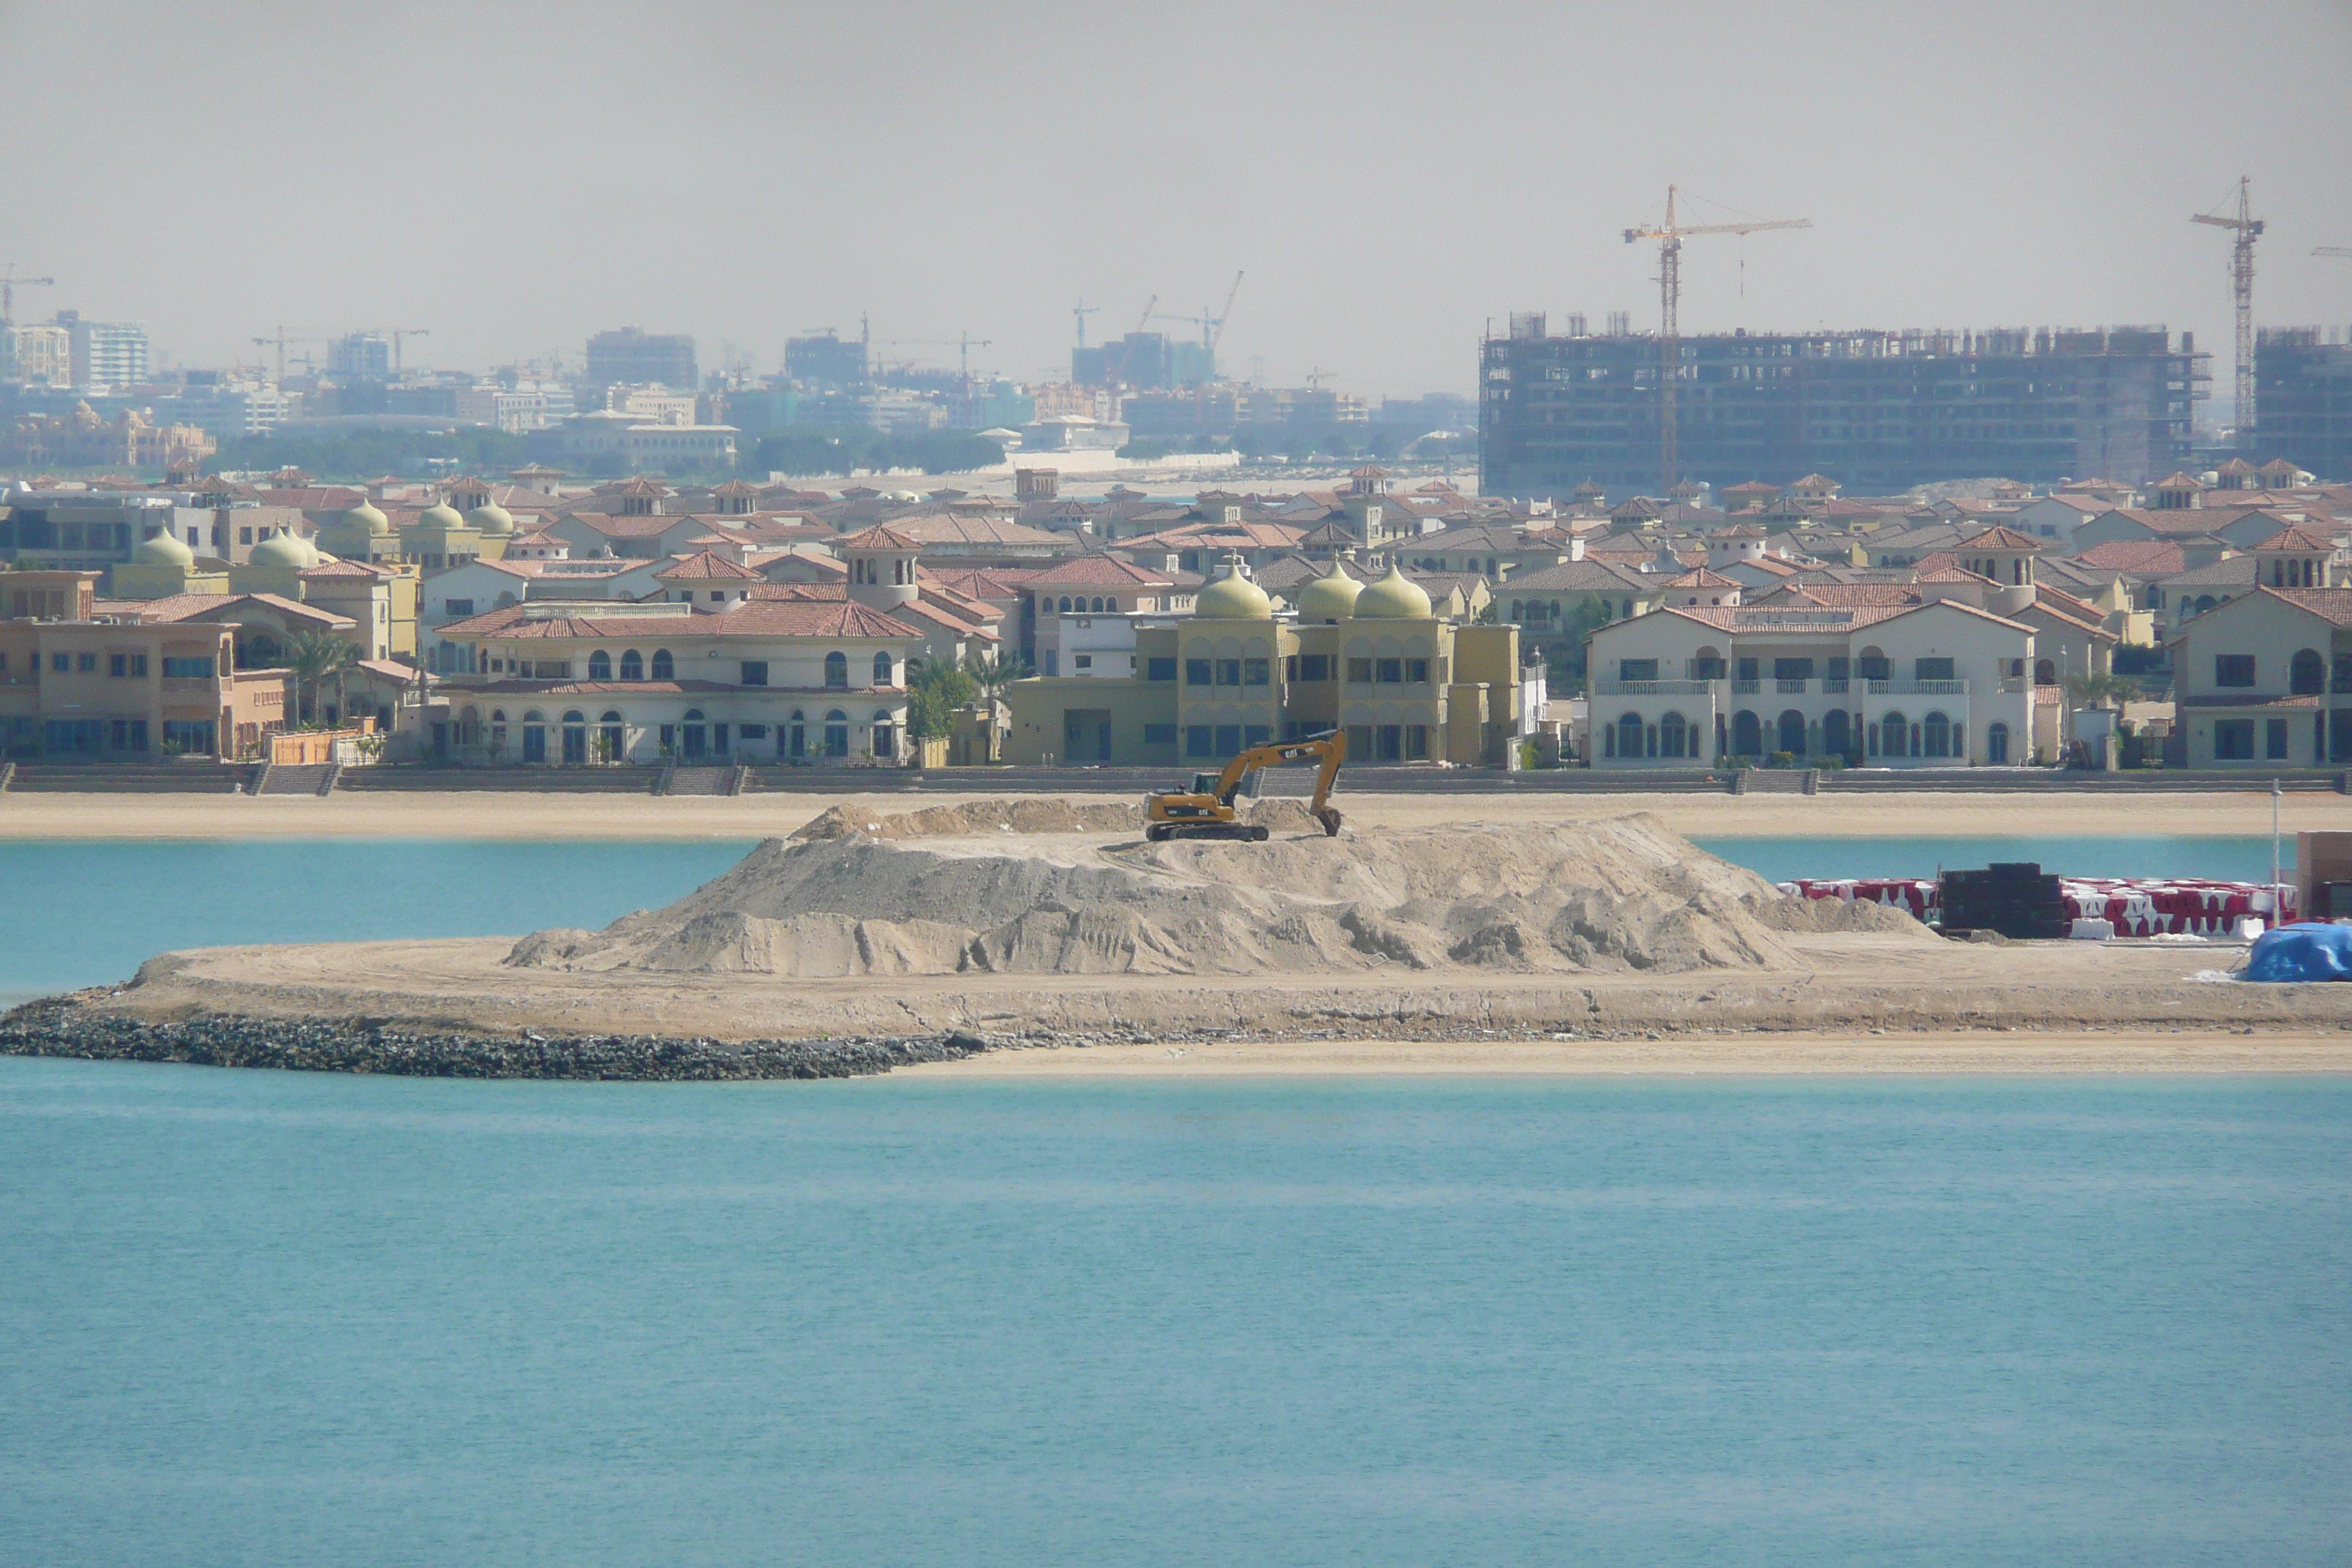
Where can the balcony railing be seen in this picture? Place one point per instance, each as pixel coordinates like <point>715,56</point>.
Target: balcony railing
<point>1653,688</point>
<point>1918,688</point>
<point>1833,687</point>
<point>1746,688</point>
<point>1791,688</point>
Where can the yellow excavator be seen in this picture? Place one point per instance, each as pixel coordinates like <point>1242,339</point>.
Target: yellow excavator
<point>1206,810</point>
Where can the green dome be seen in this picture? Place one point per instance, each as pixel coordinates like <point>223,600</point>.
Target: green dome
<point>281,552</point>
<point>1332,598</point>
<point>492,518</point>
<point>365,518</point>
<point>440,514</point>
<point>163,551</point>
<point>1233,597</point>
<point>1393,599</point>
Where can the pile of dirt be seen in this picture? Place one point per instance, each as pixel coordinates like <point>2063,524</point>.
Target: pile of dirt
<point>1024,816</point>
<point>1613,895</point>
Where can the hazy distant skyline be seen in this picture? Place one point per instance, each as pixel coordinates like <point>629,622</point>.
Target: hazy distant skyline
<point>1391,178</point>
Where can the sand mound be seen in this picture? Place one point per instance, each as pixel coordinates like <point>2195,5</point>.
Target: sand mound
<point>1024,816</point>
<point>1613,895</point>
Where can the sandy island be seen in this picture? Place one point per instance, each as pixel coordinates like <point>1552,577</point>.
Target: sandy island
<point>1787,999</point>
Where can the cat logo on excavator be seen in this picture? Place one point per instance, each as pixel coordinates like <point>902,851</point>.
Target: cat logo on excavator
<point>1206,810</point>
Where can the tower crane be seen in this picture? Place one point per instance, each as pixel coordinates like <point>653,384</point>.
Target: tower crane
<point>1213,328</point>
<point>1082,312</point>
<point>9,284</point>
<point>962,342</point>
<point>281,340</point>
<point>396,335</point>
<point>2248,228</point>
<point>2343,250</point>
<point>1670,237</point>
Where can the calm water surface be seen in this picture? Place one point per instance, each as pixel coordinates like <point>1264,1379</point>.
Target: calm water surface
<point>91,912</point>
<point>261,1319</point>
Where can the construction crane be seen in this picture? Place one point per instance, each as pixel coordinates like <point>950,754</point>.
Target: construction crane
<point>1670,237</point>
<point>2343,250</point>
<point>281,340</point>
<point>2248,228</point>
<point>962,342</point>
<point>9,284</point>
<point>1213,328</point>
<point>1082,312</point>
<point>396,335</point>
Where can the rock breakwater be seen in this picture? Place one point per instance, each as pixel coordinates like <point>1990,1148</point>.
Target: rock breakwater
<point>68,1027</point>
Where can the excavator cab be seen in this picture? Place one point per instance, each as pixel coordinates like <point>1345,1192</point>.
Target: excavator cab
<point>1206,810</point>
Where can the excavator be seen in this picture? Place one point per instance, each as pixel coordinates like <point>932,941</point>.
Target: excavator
<point>1206,810</point>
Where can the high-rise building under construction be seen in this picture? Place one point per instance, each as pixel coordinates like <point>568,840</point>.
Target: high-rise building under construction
<point>1879,412</point>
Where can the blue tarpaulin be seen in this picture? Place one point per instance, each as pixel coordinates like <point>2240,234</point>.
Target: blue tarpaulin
<point>2307,951</point>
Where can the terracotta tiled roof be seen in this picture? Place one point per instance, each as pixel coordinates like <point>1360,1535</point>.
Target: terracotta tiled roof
<point>1098,571</point>
<point>2298,541</point>
<point>2159,557</point>
<point>1998,538</point>
<point>881,536</point>
<point>703,566</point>
<point>2335,603</point>
<point>755,617</point>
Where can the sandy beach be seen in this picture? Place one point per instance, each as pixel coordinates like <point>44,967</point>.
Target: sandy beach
<point>1738,1056</point>
<point>562,817</point>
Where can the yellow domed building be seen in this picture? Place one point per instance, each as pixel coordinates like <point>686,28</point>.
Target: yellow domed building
<point>1376,659</point>
<point>161,568</point>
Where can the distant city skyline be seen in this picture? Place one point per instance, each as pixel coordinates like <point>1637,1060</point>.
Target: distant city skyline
<point>1389,187</point>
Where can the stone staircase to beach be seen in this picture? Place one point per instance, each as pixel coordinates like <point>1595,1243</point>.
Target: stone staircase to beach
<point>702,781</point>
<point>295,778</point>
<point>193,777</point>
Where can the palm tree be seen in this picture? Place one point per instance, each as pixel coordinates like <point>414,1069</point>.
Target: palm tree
<point>2103,690</point>
<point>314,657</point>
<point>996,670</point>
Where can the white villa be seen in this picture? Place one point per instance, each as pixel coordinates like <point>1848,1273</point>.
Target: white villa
<point>1941,684</point>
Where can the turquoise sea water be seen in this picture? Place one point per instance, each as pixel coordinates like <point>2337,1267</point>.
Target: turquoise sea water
<point>258,1319</point>
<point>87,914</point>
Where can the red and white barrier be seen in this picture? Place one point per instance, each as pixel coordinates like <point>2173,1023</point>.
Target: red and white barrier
<point>2134,906</point>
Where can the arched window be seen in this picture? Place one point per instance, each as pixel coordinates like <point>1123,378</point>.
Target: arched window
<point>1895,731</point>
<point>1746,735</point>
<point>665,669</point>
<point>1837,731</point>
<point>1066,604</point>
<point>1629,735</point>
<point>793,740</point>
<point>1673,736</point>
<point>599,666</point>
<point>1708,664</point>
<point>2045,672</point>
<point>2306,673</point>
<point>885,734</point>
<point>633,668</point>
<point>1793,732</point>
<point>1935,736</point>
<point>1997,743</point>
<point>1871,665</point>
<point>882,669</point>
<point>576,717</point>
<point>836,671</point>
<point>836,733</point>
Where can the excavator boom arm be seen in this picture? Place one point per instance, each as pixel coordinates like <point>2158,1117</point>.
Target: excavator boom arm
<point>1332,747</point>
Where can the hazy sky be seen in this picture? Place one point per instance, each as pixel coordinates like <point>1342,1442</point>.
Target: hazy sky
<point>1390,176</point>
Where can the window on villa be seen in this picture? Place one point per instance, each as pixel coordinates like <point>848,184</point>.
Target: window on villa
<point>87,663</point>
<point>1257,672</point>
<point>1931,669</point>
<point>1389,671</point>
<point>1793,670</point>
<point>1643,669</point>
<point>1416,672</point>
<point>1315,666</point>
<point>458,606</point>
<point>2274,739</point>
<point>1159,669</point>
<point>1229,672</point>
<point>1416,743</point>
<point>1871,667</point>
<point>2234,740</point>
<point>665,669</point>
<point>837,670</point>
<point>2233,670</point>
<point>882,669</point>
<point>117,665</point>
<point>1083,661</point>
<point>1360,671</point>
<point>599,666</point>
<point>199,667</point>
<point>1748,669</point>
<point>1159,734</point>
<point>755,672</point>
<point>1199,740</point>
